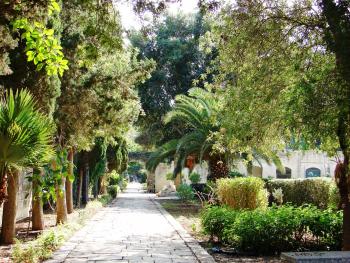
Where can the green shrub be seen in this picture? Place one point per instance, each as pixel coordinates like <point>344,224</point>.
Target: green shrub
<point>242,193</point>
<point>123,183</point>
<point>185,192</point>
<point>105,199</point>
<point>113,190</point>
<point>114,178</point>
<point>215,219</point>
<point>234,174</point>
<point>334,196</point>
<point>275,229</point>
<point>195,178</point>
<point>315,191</point>
<point>169,176</point>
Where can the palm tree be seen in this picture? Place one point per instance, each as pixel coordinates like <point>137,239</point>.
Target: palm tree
<point>197,111</point>
<point>25,139</point>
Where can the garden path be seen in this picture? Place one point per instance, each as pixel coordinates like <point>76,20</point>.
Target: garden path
<point>134,228</point>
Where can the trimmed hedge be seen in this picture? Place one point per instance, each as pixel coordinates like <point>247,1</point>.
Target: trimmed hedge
<point>242,193</point>
<point>275,229</point>
<point>320,192</point>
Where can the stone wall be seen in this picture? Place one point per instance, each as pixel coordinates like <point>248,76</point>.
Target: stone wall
<point>163,169</point>
<point>160,176</point>
<point>24,197</point>
<point>297,161</point>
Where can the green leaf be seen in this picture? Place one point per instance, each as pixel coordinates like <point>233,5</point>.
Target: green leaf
<point>49,32</point>
<point>56,6</point>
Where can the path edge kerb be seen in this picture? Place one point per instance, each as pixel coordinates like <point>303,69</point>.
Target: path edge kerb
<point>199,252</point>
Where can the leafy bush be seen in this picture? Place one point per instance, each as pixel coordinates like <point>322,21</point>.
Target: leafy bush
<point>114,178</point>
<point>195,178</point>
<point>123,183</point>
<point>216,219</point>
<point>185,192</point>
<point>242,193</point>
<point>334,196</point>
<point>316,191</point>
<point>113,190</point>
<point>234,174</point>
<point>275,229</point>
<point>105,199</point>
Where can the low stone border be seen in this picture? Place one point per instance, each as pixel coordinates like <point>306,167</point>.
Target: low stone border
<point>199,252</point>
<point>316,257</point>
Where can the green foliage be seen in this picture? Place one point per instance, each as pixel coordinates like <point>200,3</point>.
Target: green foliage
<point>196,111</point>
<point>42,47</point>
<point>275,229</point>
<point>216,219</point>
<point>99,96</point>
<point>334,197</point>
<point>234,174</point>
<point>113,190</point>
<point>185,192</point>
<point>45,244</point>
<point>114,178</point>
<point>173,43</point>
<point>169,176</point>
<point>195,178</point>
<point>315,191</point>
<point>25,134</point>
<point>55,171</point>
<point>242,193</point>
<point>137,169</point>
<point>105,199</point>
<point>123,184</point>
<point>39,250</point>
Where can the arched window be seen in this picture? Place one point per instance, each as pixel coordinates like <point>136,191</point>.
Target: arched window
<point>286,175</point>
<point>312,172</point>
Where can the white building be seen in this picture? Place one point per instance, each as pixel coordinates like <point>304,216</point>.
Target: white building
<point>298,164</point>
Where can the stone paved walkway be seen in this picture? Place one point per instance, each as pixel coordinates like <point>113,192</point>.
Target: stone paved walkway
<point>134,228</point>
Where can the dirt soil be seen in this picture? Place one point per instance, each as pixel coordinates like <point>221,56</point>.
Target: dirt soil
<point>188,216</point>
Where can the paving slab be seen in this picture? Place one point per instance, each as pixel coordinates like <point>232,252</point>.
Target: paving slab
<point>134,228</point>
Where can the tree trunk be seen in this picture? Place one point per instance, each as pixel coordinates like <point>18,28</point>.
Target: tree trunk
<point>103,185</point>
<point>85,188</point>
<point>218,167</point>
<point>80,186</point>
<point>3,185</point>
<point>8,229</point>
<point>61,206</point>
<point>342,177</point>
<point>341,180</point>
<point>96,184</point>
<point>69,183</point>
<point>37,206</point>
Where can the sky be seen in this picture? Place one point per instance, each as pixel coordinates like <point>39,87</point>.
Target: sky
<point>130,20</point>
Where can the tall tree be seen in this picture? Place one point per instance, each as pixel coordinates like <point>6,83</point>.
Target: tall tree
<point>174,45</point>
<point>283,73</point>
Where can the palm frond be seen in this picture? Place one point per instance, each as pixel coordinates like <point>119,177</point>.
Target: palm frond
<point>25,133</point>
<point>165,151</point>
